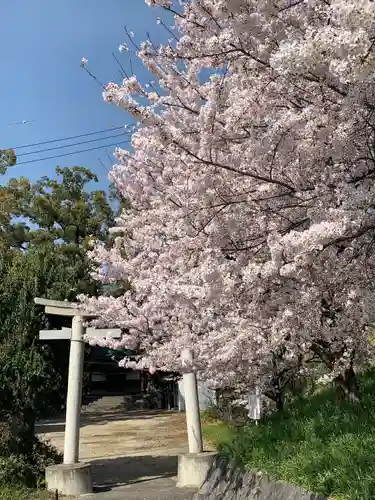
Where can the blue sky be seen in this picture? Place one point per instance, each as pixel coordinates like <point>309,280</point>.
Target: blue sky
<point>41,45</point>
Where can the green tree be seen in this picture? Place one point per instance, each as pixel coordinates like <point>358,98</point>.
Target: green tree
<point>46,229</point>
<point>29,382</point>
<point>8,158</point>
<point>25,382</point>
<point>63,215</point>
<point>7,203</point>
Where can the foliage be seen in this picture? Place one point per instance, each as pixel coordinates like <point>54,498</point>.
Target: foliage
<point>216,432</point>
<point>229,406</point>
<point>43,255</point>
<point>210,414</point>
<point>28,470</point>
<point>58,219</point>
<point>316,443</point>
<point>11,493</point>
<point>61,215</point>
<point>62,207</point>
<point>27,378</point>
<point>250,232</point>
<point>31,385</point>
<point>8,158</point>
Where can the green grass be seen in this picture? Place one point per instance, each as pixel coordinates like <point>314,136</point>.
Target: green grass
<point>7,493</point>
<point>217,433</point>
<point>325,447</point>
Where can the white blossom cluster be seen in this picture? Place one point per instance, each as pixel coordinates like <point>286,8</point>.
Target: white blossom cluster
<point>251,182</point>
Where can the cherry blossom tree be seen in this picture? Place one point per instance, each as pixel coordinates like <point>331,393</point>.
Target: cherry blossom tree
<point>251,231</point>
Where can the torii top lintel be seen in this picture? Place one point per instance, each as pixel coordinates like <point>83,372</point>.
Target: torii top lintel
<point>62,308</point>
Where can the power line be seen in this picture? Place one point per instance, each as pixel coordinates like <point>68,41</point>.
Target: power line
<point>71,153</point>
<point>105,168</point>
<point>69,145</point>
<point>68,138</point>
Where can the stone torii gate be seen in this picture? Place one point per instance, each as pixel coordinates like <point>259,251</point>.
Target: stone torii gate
<point>72,477</point>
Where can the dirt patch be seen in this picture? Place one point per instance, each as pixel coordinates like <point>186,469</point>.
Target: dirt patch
<point>125,447</point>
<point>138,433</point>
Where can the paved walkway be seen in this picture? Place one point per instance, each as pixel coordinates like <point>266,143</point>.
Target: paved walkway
<point>154,489</point>
<point>133,454</point>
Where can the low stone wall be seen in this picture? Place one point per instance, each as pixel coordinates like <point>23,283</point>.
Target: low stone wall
<point>225,482</point>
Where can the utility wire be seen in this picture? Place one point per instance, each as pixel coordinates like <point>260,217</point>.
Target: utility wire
<point>69,145</point>
<point>71,153</point>
<point>68,138</point>
<point>105,168</point>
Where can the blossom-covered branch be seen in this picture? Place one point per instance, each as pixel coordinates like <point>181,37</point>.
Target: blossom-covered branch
<point>251,228</point>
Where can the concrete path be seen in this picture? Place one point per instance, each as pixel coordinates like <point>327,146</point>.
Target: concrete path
<point>133,454</point>
<point>155,489</point>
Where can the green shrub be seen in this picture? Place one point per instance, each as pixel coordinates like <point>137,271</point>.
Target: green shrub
<point>218,433</point>
<point>11,493</point>
<point>211,414</point>
<point>325,447</point>
<point>28,470</point>
<point>229,407</point>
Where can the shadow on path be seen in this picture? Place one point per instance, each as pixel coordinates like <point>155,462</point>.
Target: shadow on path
<point>110,473</point>
<point>100,417</point>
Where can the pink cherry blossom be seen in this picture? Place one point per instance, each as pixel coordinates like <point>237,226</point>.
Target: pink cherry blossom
<point>251,176</point>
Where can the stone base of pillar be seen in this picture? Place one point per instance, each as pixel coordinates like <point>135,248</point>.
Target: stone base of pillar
<point>69,479</point>
<point>193,468</point>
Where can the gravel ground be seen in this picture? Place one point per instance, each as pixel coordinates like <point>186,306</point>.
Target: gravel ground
<point>133,454</point>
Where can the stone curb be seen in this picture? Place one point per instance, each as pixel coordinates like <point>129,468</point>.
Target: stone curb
<point>226,482</point>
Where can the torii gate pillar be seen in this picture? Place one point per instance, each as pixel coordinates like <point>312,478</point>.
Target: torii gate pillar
<point>74,395</point>
<point>71,477</point>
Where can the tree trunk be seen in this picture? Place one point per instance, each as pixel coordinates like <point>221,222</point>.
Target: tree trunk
<point>279,401</point>
<point>276,395</point>
<point>347,386</point>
